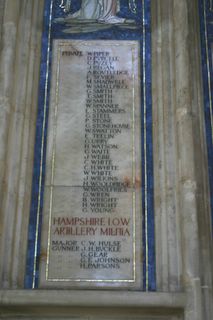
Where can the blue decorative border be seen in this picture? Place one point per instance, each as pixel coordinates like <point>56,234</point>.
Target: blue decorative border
<point>149,263</point>
<point>35,222</point>
<point>53,31</point>
<point>206,27</point>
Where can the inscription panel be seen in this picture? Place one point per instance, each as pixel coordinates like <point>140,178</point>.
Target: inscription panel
<point>91,230</point>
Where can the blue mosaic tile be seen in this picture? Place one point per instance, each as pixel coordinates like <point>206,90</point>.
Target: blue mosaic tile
<point>206,28</point>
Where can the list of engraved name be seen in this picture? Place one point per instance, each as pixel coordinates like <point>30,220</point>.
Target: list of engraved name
<point>93,227</point>
<point>101,185</point>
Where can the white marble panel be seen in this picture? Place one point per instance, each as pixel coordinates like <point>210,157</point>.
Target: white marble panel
<point>91,232</point>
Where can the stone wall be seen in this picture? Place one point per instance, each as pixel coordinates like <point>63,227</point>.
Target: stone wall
<point>183,235</point>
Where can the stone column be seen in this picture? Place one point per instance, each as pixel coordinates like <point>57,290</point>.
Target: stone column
<point>186,162</point>
<point>19,65</point>
<point>183,235</point>
<point>167,220</point>
<point>192,170</point>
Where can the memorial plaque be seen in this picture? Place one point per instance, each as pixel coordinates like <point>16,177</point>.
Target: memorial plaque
<point>91,221</point>
<point>91,231</point>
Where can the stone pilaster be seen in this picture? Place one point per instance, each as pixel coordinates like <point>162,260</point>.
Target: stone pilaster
<point>167,220</point>
<point>18,97</point>
<point>183,235</point>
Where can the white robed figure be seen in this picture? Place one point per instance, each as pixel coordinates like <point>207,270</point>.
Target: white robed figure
<point>101,10</point>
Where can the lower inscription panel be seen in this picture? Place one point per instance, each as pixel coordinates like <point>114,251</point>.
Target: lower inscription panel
<point>91,229</point>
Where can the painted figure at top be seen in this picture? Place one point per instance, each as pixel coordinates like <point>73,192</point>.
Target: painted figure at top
<point>101,10</point>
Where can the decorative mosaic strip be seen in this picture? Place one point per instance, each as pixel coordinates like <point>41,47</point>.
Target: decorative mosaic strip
<point>206,27</point>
